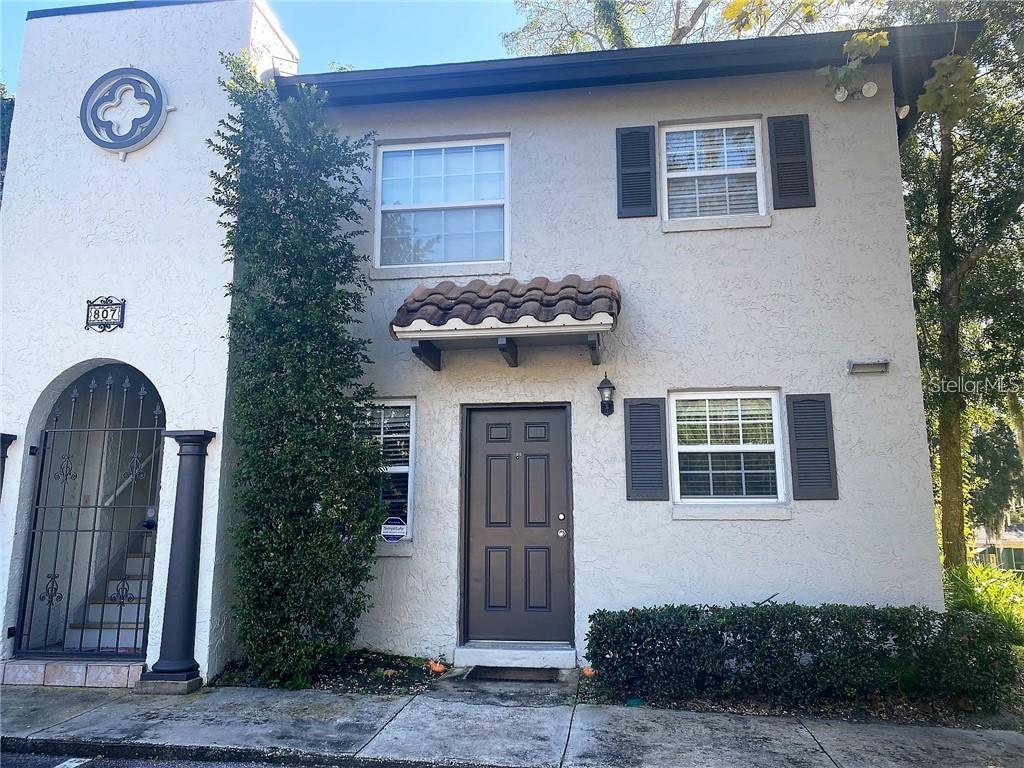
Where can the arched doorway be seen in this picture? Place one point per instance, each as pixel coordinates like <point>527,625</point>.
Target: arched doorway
<point>90,561</point>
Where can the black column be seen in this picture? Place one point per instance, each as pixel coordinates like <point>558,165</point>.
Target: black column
<point>178,642</point>
<point>5,440</point>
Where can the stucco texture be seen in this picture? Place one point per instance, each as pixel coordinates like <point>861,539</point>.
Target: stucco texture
<point>79,223</point>
<point>780,307</point>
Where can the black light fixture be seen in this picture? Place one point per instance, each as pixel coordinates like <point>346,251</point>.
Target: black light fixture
<point>607,390</point>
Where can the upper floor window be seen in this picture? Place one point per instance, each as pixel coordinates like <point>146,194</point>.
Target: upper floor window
<point>444,203</point>
<point>712,170</point>
<point>727,446</point>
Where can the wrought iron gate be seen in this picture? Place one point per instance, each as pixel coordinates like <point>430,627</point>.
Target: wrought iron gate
<point>90,564</point>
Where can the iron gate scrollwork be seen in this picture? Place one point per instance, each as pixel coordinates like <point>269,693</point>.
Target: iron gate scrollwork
<point>90,564</point>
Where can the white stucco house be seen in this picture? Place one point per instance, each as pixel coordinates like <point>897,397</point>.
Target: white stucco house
<point>705,228</point>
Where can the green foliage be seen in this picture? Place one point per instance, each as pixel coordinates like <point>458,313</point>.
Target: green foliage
<point>612,22</point>
<point>997,477</point>
<point>859,48</point>
<point>565,26</point>
<point>866,44</point>
<point>989,591</point>
<point>950,92</point>
<point>307,491</point>
<point>800,655</point>
<point>963,172</point>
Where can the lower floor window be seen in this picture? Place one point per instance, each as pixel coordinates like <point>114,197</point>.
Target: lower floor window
<point>727,474</point>
<point>726,446</point>
<point>396,494</point>
<point>391,422</point>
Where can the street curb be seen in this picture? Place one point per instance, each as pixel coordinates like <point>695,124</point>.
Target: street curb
<point>23,745</point>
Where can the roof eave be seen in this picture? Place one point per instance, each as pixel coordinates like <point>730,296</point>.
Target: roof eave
<point>911,50</point>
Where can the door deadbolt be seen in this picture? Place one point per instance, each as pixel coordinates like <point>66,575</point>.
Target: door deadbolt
<point>561,516</point>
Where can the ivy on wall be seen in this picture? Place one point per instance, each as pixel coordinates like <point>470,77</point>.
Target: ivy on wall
<point>306,489</point>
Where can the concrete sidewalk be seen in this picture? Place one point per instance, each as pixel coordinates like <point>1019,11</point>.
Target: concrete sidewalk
<point>462,723</point>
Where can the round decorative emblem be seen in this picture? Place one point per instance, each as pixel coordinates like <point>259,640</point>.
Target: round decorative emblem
<point>124,110</point>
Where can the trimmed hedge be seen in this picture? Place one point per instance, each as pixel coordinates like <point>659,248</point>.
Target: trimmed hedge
<point>799,655</point>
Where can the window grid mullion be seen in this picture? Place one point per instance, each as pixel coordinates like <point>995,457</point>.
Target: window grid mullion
<point>417,207</point>
<point>726,448</point>
<point>472,156</point>
<point>444,186</point>
<point>744,170</point>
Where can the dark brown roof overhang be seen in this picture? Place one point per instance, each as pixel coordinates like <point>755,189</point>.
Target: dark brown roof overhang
<point>508,313</point>
<point>911,50</point>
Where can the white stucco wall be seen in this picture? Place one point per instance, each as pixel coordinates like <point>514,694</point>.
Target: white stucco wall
<point>78,223</point>
<point>783,307</point>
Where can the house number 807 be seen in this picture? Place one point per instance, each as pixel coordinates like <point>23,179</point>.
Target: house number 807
<point>104,313</point>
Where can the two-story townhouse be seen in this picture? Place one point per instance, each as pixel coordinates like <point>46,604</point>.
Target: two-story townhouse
<point>642,333</point>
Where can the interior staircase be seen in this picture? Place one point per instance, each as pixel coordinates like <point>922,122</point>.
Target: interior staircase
<point>115,619</point>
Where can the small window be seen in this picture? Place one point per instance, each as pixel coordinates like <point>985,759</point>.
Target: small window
<point>726,447</point>
<point>442,203</point>
<point>712,170</point>
<point>392,423</point>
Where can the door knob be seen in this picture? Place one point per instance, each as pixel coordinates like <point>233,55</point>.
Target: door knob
<point>561,533</point>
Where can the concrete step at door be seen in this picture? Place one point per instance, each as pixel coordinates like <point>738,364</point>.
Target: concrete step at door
<point>112,611</point>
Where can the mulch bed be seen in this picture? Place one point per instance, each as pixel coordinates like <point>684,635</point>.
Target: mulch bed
<point>357,672</point>
<point>877,710</point>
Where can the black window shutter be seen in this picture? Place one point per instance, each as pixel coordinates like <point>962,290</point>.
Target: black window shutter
<point>812,447</point>
<point>646,449</point>
<point>792,174</point>
<point>636,165</point>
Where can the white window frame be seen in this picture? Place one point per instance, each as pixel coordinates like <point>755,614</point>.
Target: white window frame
<point>775,448</point>
<point>401,468</point>
<point>379,208</point>
<point>666,174</point>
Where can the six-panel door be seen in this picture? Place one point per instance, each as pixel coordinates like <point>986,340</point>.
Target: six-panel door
<point>518,525</point>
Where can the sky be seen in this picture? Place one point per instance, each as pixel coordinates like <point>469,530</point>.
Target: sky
<point>365,34</point>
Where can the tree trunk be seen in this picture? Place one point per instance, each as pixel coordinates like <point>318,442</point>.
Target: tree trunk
<point>1015,412</point>
<point>951,469</point>
<point>951,400</point>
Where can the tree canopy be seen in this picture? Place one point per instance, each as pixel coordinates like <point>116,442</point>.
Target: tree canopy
<point>568,26</point>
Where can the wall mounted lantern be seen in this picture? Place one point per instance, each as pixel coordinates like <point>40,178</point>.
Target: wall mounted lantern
<point>607,390</point>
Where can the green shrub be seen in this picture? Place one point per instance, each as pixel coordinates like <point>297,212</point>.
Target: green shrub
<point>306,490</point>
<point>800,655</point>
<point>990,591</point>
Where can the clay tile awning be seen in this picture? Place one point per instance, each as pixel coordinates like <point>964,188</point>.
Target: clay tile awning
<point>508,314</point>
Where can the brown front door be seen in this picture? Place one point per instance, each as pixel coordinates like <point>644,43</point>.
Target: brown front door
<point>519,526</point>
